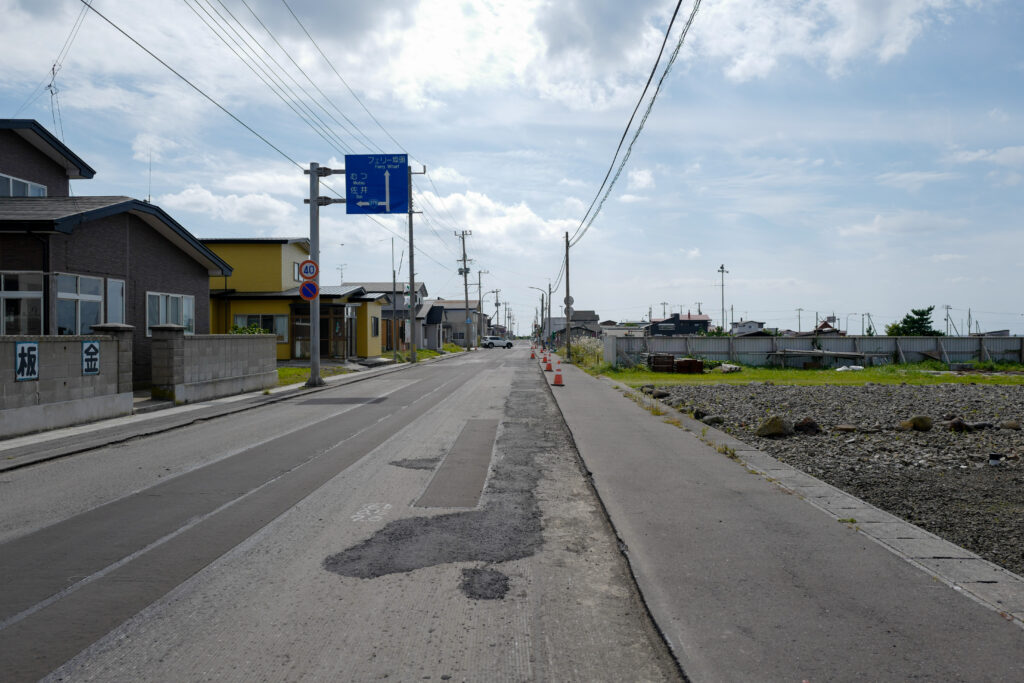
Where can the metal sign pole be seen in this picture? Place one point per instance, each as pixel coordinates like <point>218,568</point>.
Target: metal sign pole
<point>314,254</point>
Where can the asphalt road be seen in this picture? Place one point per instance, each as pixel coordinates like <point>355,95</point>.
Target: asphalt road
<point>428,523</point>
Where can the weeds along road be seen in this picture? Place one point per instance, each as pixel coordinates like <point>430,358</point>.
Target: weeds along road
<point>432,522</point>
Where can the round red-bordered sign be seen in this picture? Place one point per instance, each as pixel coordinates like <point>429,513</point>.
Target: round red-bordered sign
<point>308,290</point>
<point>308,269</point>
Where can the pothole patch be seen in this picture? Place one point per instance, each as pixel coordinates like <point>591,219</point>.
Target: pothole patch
<point>484,584</point>
<point>416,463</point>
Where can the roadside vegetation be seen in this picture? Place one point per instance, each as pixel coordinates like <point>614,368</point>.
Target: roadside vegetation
<point>588,354</point>
<point>297,375</point>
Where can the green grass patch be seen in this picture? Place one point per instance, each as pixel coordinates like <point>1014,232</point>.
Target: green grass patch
<point>914,373</point>
<point>452,348</point>
<point>291,375</point>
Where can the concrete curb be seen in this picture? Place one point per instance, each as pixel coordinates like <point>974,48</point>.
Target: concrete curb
<point>24,451</point>
<point>984,582</point>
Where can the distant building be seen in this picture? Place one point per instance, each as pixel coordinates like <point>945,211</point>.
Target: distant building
<point>745,327</point>
<point>691,323</point>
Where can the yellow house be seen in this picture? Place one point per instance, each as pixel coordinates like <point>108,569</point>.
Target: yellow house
<point>263,291</point>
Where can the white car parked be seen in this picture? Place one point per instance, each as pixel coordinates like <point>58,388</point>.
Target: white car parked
<point>491,342</point>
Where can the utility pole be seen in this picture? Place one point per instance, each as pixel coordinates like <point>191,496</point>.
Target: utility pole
<point>663,305</point>
<point>412,276</point>
<point>798,312</point>
<point>315,201</point>
<point>548,331</point>
<point>479,300</point>
<point>464,272</point>
<point>699,312</point>
<point>947,307</point>
<point>497,306</point>
<point>723,271</point>
<point>568,305</point>
<point>394,305</point>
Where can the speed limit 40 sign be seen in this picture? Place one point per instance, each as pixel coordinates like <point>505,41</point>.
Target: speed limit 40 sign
<point>308,269</point>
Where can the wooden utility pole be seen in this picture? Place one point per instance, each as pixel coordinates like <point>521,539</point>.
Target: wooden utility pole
<point>479,301</point>
<point>412,276</point>
<point>464,272</point>
<point>568,305</point>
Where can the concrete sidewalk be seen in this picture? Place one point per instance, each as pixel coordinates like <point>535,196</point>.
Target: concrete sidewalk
<point>750,580</point>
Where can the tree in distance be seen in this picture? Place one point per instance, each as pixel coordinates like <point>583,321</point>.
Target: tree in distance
<point>917,323</point>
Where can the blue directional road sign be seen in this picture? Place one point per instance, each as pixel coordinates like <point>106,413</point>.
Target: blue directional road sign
<point>376,183</point>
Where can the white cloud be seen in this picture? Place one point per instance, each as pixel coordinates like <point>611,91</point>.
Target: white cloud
<point>1006,156</point>
<point>574,205</point>
<point>754,36</point>
<point>149,147</point>
<point>572,182</point>
<point>641,179</point>
<point>443,174</point>
<point>632,198</point>
<point>902,223</point>
<point>283,180</point>
<point>945,258</point>
<point>249,209</point>
<point>690,254</point>
<point>914,180</point>
<point>500,228</point>
<point>998,115</point>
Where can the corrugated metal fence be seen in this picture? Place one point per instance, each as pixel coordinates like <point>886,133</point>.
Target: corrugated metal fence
<point>785,350</point>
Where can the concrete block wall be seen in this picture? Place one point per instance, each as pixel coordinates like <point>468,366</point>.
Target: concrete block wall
<point>63,396</point>
<point>205,366</point>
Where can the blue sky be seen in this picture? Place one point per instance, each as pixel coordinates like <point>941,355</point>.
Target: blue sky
<point>839,156</point>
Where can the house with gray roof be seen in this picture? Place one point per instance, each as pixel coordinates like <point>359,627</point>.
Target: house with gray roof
<point>70,262</point>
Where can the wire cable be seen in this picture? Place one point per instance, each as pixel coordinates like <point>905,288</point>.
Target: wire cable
<point>292,102</point>
<point>192,85</point>
<point>331,64</point>
<point>581,231</point>
<point>625,132</point>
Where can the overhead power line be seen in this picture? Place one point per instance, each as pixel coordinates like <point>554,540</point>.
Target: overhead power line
<point>585,223</point>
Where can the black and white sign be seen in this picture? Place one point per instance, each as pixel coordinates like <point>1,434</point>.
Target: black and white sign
<point>26,361</point>
<point>90,358</point>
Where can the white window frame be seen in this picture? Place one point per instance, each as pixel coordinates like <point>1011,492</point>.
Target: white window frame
<point>187,302</point>
<point>23,294</point>
<point>124,297</point>
<point>34,189</point>
<point>242,320</point>
<point>78,297</point>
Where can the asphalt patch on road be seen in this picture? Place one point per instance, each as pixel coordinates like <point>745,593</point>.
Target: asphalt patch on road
<point>484,584</point>
<point>416,463</point>
<point>508,525</point>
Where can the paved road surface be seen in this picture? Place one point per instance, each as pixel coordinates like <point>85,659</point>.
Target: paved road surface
<point>432,522</point>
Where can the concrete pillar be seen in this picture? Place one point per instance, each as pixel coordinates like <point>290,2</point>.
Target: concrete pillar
<point>122,334</point>
<point>168,358</point>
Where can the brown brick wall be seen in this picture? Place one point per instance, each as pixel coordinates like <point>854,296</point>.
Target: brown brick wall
<point>23,161</point>
<point>127,248</point>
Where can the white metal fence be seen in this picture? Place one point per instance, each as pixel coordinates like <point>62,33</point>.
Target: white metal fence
<point>828,350</point>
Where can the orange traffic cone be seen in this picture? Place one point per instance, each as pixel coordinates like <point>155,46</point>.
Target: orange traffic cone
<point>532,356</point>
<point>558,378</point>
<point>547,368</point>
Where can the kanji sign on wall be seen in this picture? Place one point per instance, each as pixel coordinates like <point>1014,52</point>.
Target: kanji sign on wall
<point>26,361</point>
<point>90,358</point>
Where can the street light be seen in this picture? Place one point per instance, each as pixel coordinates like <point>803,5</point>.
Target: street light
<point>848,321</point>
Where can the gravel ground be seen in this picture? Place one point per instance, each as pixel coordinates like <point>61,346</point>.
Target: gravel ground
<point>939,479</point>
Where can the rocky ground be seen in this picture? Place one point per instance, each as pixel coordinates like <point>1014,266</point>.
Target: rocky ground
<point>940,479</point>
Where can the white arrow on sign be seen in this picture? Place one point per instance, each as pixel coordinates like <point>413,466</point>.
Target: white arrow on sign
<point>364,203</point>
<point>387,190</point>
